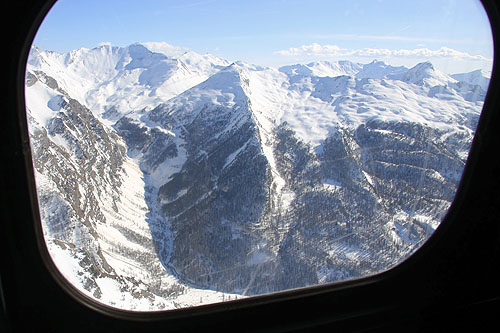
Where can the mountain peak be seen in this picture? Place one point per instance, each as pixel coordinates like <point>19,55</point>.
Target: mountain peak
<point>478,77</point>
<point>164,48</point>
<point>227,77</point>
<point>378,70</point>
<point>322,69</point>
<point>424,74</point>
<point>424,66</point>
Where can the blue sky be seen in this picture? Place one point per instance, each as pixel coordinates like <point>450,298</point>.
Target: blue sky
<point>453,34</point>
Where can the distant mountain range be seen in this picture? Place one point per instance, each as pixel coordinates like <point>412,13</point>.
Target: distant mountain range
<point>170,179</point>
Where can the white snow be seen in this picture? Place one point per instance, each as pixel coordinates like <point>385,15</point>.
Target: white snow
<point>170,166</point>
<point>330,184</point>
<point>233,155</point>
<point>37,101</point>
<point>258,257</point>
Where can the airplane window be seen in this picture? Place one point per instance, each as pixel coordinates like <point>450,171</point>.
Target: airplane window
<point>195,152</point>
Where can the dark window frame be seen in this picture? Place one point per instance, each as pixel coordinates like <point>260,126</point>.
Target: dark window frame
<point>451,280</point>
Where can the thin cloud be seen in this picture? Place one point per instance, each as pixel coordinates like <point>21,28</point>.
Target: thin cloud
<point>185,5</point>
<point>358,37</point>
<point>316,49</point>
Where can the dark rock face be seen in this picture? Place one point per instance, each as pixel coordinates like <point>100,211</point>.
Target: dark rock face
<point>215,201</point>
<point>82,172</point>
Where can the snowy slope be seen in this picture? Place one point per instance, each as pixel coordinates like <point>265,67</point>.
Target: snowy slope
<point>312,105</point>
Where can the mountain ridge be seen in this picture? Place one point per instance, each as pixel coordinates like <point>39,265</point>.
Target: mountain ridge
<point>234,179</point>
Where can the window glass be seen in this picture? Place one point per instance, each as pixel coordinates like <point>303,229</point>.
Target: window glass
<point>192,152</point>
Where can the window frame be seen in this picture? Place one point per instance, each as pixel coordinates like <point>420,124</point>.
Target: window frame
<point>438,282</point>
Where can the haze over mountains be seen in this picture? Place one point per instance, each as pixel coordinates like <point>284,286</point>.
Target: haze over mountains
<point>170,179</point>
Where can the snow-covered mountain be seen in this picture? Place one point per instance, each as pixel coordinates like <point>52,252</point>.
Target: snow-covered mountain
<point>169,178</point>
<point>323,68</point>
<point>380,70</point>
<point>477,77</point>
<point>115,81</point>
